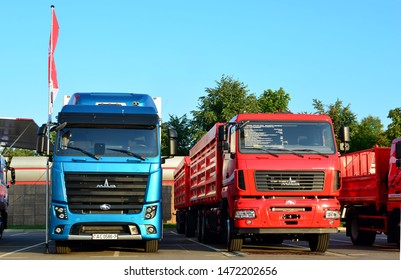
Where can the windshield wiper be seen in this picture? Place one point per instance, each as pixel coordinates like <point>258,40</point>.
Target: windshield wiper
<point>312,150</point>
<point>287,150</point>
<point>127,152</point>
<point>265,150</point>
<point>83,151</point>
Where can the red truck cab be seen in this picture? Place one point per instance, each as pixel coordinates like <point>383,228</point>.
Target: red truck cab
<point>267,177</point>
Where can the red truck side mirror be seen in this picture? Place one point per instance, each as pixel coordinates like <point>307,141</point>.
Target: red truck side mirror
<point>398,154</point>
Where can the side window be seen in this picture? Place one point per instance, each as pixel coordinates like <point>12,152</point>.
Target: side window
<point>232,139</point>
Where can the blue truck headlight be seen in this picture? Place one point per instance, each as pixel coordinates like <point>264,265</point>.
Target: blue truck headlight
<point>150,212</point>
<point>61,212</point>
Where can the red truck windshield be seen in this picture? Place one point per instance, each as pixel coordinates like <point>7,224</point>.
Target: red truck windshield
<point>286,137</point>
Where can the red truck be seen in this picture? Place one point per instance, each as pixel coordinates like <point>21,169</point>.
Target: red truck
<point>370,196</point>
<point>267,177</point>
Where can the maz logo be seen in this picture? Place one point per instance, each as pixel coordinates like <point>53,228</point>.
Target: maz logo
<point>106,185</point>
<point>105,207</point>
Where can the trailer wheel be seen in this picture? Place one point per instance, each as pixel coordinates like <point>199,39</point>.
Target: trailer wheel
<point>151,246</point>
<point>393,235</point>
<point>63,247</point>
<point>180,223</point>
<point>190,224</point>
<point>1,226</point>
<point>319,242</point>
<point>361,237</point>
<point>204,236</point>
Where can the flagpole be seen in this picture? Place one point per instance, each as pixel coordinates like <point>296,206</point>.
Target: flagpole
<point>49,121</point>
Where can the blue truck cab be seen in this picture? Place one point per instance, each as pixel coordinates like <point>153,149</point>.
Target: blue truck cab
<point>106,173</point>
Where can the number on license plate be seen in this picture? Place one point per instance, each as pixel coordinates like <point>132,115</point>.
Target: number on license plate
<point>104,236</point>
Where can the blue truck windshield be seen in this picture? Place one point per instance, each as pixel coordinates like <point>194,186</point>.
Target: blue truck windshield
<point>107,141</point>
<point>286,137</point>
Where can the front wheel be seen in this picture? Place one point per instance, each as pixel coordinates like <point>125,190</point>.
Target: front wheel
<point>234,242</point>
<point>63,247</point>
<point>319,242</point>
<point>151,246</point>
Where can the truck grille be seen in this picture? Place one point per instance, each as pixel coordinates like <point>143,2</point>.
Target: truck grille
<point>289,181</point>
<point>96,193</point>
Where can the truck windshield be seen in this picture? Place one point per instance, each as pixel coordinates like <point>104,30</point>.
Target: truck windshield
<point>138,142</point>
<point>286,138</point>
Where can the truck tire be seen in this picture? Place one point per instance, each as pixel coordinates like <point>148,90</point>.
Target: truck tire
<point>204,236</point>
<point>393,235</point>
<point>361,237</point>
<point>234,242</point>
<point>180,223</point>
<point>1,226</point>
<point>190,224</point>
<point>151,246</point>
<point>63,247</point>
<point>319,242</point>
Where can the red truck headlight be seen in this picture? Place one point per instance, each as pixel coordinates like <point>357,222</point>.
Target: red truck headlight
<point>245,214</point>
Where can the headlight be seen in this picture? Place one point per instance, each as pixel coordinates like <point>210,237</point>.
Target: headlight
<point>245,214</point>
<point>61,212</point>
<point>332,214</point>
<point>150,212</point>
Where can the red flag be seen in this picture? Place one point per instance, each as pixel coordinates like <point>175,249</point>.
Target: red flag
<point>52,73</point>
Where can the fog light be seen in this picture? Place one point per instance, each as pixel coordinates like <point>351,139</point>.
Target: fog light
<point>245,214</point>
<point>59,230</point>
<point>150,229</point>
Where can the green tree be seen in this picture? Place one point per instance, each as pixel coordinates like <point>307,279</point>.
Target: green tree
<point>185,140</point>
<point>340,115</point>
<point>18,152</point>
<point>274,101</point>
<point>229,98</point>
<point>368,133</point>
<point>394,128</point>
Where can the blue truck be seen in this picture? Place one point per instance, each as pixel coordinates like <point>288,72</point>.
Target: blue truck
<point>106,174</point>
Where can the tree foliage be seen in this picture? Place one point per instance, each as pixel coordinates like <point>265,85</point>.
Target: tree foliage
<point>368,133</point>
<point>229,98</point>
<point>274,101</point>
<point>340,115</point>
<point>185,140</point>
<point>394,128</point>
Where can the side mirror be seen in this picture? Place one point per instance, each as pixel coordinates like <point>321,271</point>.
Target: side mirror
<point>12,172</point>
<point>398,150</point>
<point>41,143</point>
<point>344,138</point>
<point>172,137</point>
<point>222,133</point>
<point>42,140</point>
<point>344,134</point>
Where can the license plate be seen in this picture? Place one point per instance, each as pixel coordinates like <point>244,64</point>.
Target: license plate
<point>104,236</point>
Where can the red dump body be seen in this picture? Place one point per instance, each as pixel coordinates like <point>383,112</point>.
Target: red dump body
<point>370,196</point>
<point>364,178</point>
<point>181,184</point>
<point>205,170</point>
